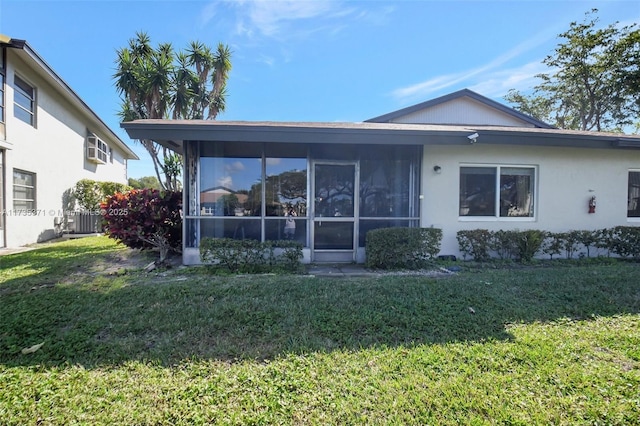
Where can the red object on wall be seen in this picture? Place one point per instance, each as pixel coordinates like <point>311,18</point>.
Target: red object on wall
<point>592,205</point>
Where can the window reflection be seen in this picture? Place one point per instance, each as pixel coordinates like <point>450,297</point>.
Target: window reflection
<point>633,194</point>
<point>385,189</point>
<point>479,190</point>
<point>286,186</point>
<point>230,186</point>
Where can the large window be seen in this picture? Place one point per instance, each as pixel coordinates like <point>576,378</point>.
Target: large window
<point>255,191</point>
<point>24,190</point>
<point>24,101</point>
<point>497,191</point>
<point>633,194</point>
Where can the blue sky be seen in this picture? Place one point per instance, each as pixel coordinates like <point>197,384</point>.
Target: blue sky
<point>311,60</point>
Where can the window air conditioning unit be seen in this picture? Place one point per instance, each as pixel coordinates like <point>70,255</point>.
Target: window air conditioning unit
<point>97,150</point>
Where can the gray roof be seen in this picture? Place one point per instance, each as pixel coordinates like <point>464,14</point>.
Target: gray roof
<point>171,133</point>
<point>385,118</point>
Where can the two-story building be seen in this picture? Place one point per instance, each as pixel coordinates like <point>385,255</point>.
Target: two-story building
<point>49,140</point>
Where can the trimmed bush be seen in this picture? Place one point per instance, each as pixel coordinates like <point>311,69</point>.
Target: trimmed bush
<point>475,243</point>
<point>144,219</point>
<point>402,248</point>
<point>251,256</point>
<point>625,241</point>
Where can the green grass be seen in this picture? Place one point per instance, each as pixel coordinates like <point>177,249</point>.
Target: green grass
<point>553,345</point>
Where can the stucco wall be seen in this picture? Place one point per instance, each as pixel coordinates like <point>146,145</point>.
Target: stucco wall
<point>565,181</point>
<point>54,150</point>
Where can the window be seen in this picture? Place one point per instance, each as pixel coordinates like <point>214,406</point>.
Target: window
<point>2,80</point>
<point>97,150</point>
<point>24,101</point>
<point>24,190</point>
<point>496,191</point>
<point>633,194</point>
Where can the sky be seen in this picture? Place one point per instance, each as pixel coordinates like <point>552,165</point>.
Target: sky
<point>310,60</point>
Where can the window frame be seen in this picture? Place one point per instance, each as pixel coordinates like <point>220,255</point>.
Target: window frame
<point>496,217</point>
<point>631,218</point>
<point>17,82</point>
<point>33,200</point>
<point>3,89</point>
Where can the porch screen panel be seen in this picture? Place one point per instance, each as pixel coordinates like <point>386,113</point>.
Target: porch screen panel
<point>286,186</point>
<point>231,184</point>
<point>384,188</point>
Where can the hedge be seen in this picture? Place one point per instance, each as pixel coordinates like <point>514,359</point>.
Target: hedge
<point>402,248</point>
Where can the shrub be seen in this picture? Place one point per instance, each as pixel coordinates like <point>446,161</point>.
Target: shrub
<point>625,241</point>
<point>90,193</point>
<point>504,243</point>
<point>145,219</point>
<point>588,239</point>
<point>528,244</point>
<point>475,243</point>
<point>251,256</point>
<point>402,248</point>
<point>552,243</point>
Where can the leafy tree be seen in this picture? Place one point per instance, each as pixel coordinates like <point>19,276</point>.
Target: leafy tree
<point>149,182</point>
<point>159,83</point>
<point>594,79</point>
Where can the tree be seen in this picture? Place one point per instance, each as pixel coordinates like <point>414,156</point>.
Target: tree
<point>161,83</point>
<point>148,182</point>
<point>593,82</point>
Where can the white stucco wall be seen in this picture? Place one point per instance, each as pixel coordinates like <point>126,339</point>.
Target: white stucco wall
<point>565,181</point>
<point>54,150</point>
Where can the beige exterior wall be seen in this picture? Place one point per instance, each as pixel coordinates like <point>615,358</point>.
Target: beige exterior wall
<point>55,150</point>
<point>566,178</point>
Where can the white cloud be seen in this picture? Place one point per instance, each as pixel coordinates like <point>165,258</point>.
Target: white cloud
<point>272,17</point>
<point>226,182</point>
<point>498,83</point>
<point>236,166</point>
<point>483,74</point>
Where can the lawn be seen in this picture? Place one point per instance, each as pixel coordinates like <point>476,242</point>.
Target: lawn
<point>540,345</point>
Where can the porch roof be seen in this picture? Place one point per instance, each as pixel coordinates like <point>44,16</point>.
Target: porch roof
<point>172,133</point>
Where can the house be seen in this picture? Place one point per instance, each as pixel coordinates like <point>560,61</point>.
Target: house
<point>49,140</point>
<point>461,161</point>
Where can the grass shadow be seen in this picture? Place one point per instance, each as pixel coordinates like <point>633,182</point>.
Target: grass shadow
<point>169,317</point>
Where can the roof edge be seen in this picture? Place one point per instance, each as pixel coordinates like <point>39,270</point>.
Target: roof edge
<point>459,94</point>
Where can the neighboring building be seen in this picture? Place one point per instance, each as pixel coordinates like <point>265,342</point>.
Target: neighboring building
<point>49,140</point>
<point>461,161</point>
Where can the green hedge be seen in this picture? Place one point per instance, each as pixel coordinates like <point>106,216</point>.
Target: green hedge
<point>482,245</point>
<point>402,248</point>
<point>251,256</point>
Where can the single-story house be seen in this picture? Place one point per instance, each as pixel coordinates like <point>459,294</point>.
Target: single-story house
<point>461,161</point>
<point>49,140</point>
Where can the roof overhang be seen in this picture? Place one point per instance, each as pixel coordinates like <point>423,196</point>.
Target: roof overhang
<point>172,134</point>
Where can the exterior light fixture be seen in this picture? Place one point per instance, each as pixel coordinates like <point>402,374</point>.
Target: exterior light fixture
<point>437,169</point>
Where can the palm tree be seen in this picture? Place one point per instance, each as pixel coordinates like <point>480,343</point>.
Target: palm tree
<point>161,83</point>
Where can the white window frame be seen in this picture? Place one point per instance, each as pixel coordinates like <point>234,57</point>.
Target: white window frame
<point>97,149</point>
<point>33,200</point>
<point>497,217</point>
<point>17,82</point>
